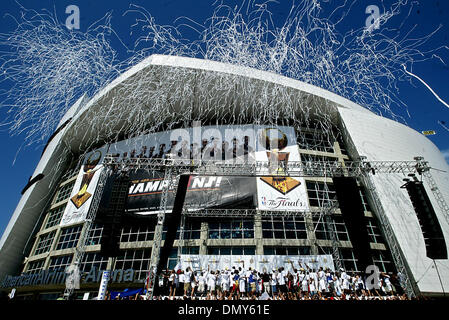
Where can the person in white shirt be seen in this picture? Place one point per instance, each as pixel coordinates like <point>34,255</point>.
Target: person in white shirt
<point>344,278</point>
<point>206,278</point>
<point>201,284</point>
<point>187,280</point>
<point>225,283</point>
<point>387,284</point>
<point>274,283</point>
<point>181,282</point>
<point>242,281</point>
<point>359,285</point>
<point>314,277</point>
<point>282,288</point>
<point>193,284</point>
<point>295,281</point>
<point>230,281</point>
<point>312,287</point>
<point>337,285</point>
<point>211,280</point>
<point>321,282</point>
<point>304,278</point>
<point>172,284</point>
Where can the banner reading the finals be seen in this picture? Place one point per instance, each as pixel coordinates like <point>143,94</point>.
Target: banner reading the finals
<point>84,188</point>
<point>277,191</point>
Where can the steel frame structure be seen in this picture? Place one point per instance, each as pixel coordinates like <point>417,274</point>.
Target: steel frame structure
<point>173,168</point>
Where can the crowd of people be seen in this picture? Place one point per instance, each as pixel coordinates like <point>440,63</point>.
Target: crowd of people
<point>304,283</point>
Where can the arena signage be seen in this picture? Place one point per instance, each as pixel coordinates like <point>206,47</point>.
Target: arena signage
<point>47,277</point>
<point>281,202</point>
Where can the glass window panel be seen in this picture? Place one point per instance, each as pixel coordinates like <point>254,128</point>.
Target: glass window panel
<point>213,234</point>
<point>267,234</point>
<point>225,250</point>
<point>225,234</point>
<point>278,225</point>
<point>248,234</point>
<point>290,235</point>
<point>279,234</point>
<point>267,225</point>
<point>281,251</point>
<point>236,234</point>
<point>249,250</point>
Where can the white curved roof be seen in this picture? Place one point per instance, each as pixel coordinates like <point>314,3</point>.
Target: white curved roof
<point>119,88</point>
<point>214,66</point>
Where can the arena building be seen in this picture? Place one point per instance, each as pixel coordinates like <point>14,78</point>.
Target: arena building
<point>326,183</point>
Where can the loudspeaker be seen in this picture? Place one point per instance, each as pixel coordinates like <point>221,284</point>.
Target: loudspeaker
<point>172,221</point>
<point>430,226</point>
<point>112,208</point>
<point>352,210</point>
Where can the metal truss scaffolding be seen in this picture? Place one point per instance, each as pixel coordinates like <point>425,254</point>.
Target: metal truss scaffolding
<point>173,168</point>
<point>89,221</point>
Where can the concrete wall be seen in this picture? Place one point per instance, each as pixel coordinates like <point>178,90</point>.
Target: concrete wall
<point>379,138</point>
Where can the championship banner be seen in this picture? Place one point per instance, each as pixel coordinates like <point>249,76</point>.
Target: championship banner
<point>84,188</point>
<point>277,147</point>
<point>260,263</point>
<point>203,192</point>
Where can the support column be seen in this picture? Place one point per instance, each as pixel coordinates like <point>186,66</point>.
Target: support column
<point>258,238</point>
<point>311,234</point>
<point>203,238</point>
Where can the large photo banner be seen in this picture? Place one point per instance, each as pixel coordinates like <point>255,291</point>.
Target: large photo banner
<point>277,147</point>
<point>259,263</point>
<point>224,144</point>
<point>203,192</point>
<point>84,188</point>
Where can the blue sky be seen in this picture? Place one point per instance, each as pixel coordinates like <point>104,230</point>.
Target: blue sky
<point>17,164</point>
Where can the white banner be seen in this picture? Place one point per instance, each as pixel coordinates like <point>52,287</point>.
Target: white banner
<point>103,285</point>
<point>259,263</point>
<point>275,192</point>
<point>84,188</point>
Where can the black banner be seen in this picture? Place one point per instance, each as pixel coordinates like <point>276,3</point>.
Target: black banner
<point>203,192</point>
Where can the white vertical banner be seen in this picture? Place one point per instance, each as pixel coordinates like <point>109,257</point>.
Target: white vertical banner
<point>277,147</point>
<point>103,285</point>
<point>84,188</point>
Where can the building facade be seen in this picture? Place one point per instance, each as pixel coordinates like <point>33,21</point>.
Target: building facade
<point>38,245</point>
